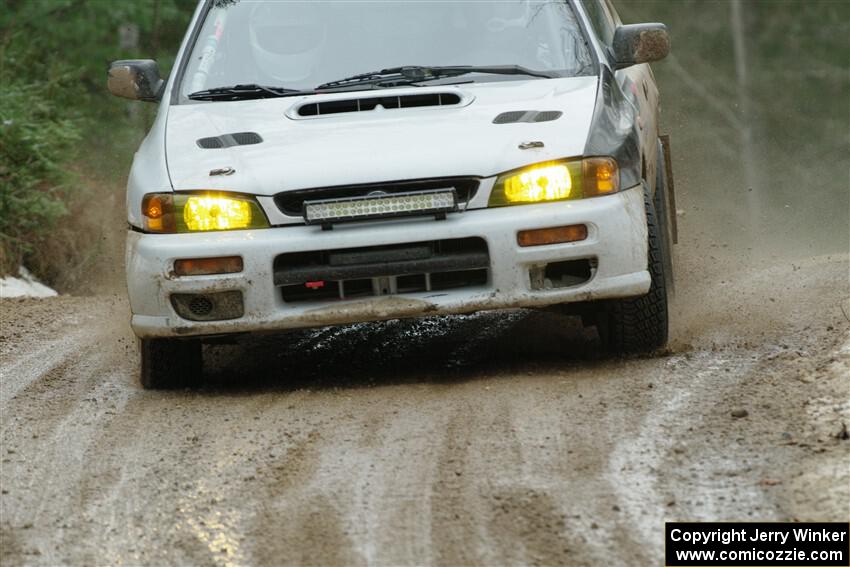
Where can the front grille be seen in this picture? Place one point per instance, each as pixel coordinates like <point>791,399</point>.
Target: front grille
<point>292,202</point>
<point>382,270</point>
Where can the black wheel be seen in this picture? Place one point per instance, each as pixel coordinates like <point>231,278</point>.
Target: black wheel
<point>661,202</point>
<point>639,324</point>
<point>170,363</point>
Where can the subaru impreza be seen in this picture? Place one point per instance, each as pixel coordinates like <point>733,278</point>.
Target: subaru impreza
<point>323,163</point>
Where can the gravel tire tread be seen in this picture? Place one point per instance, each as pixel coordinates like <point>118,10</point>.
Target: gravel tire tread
<point>662,212</point>
<point>639,324</point>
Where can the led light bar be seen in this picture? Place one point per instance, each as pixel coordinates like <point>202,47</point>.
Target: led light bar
<point>327,212</point>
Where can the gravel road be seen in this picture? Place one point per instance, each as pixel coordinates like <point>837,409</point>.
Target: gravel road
<point>487,439</point>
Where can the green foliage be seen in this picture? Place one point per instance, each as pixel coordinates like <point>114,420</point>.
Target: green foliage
<point>34,141</point>
<point>64,141</point>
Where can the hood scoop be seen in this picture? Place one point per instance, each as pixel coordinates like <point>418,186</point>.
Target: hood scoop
<point>228,140</point>
<point>515,116</point>
<point>377,104</point>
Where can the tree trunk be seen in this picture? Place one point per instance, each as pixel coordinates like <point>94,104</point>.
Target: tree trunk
<point>749,162</point>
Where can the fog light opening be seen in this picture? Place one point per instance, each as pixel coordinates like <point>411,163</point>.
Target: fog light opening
<point>201,305</point>
<point>214,306</point>
<point>567,273</point>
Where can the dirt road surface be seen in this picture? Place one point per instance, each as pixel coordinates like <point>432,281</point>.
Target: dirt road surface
<point>489,439</point>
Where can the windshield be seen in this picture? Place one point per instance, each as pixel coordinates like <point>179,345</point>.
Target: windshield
<point>300,45</point>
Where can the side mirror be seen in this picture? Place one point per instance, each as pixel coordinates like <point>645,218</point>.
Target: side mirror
<point>136,79</point>
<point>640,43</point>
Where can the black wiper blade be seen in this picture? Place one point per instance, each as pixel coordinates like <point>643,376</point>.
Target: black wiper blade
<point>454,71</point>
<point>245,92</point>
<point>413,74</point>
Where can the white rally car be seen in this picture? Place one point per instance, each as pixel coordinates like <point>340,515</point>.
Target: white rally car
<point>321,163</point>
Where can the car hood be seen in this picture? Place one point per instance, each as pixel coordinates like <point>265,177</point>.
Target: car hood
<point>377,145</point>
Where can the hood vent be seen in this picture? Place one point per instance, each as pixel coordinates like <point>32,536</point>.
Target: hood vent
<point>527,116</point>
<point>367,104</point>
<point>228,140</point>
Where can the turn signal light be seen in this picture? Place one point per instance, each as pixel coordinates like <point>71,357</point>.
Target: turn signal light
<point>555,235</point>
<point>208,266</point>
<point>600,176</point>
<point>154,208</point>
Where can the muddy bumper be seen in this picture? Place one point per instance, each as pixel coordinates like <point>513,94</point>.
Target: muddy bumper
<point>302,276</point>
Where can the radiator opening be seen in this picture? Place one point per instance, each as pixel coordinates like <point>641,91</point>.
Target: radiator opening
<point>382,270</point>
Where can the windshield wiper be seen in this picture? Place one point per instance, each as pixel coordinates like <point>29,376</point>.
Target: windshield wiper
<point>245,92</point>
<point>413,74</point>
<point>408,75</point>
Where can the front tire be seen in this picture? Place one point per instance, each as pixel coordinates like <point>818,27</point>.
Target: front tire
<point>170,363</point>
<point>640,324</point>
<point>661,202</point>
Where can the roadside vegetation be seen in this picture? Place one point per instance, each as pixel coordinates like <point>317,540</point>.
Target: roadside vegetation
<point>65,143</point>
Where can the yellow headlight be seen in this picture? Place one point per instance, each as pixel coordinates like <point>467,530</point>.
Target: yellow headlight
<point>202,212</point>
<point>544,182</point>
<point>567,179</point>
<point>197,212</point>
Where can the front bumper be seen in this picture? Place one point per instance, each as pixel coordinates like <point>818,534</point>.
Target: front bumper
<point>617,242</point>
